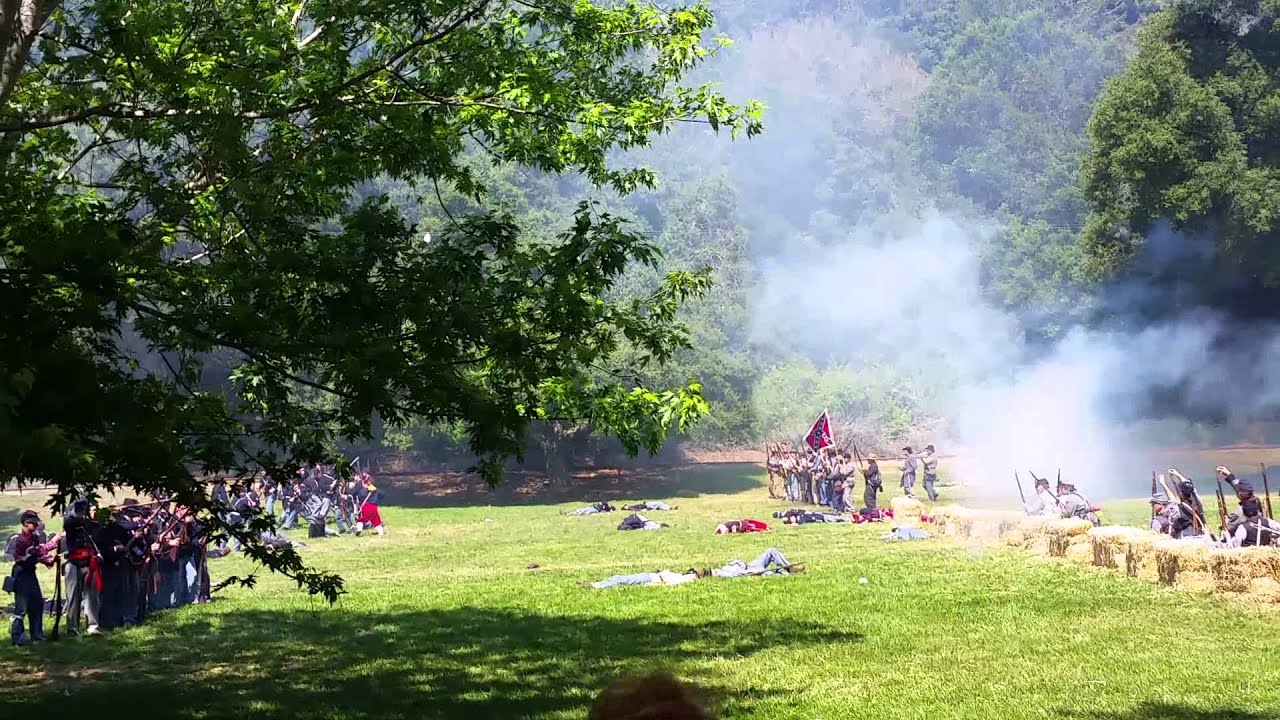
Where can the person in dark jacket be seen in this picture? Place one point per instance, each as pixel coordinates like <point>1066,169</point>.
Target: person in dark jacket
<point>82,574</point>
<point>28,601</point>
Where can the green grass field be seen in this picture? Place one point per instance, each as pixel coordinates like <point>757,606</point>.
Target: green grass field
<point>443,620</point>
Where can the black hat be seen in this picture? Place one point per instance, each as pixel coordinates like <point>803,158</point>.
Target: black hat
<point>907,449</point>
<point>929,448</point>
<point>29,516</point>
<point>1251,507</point>
<point>1042,482</point>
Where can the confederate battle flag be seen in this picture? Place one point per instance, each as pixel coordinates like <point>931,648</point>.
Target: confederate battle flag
<point>820,434</point>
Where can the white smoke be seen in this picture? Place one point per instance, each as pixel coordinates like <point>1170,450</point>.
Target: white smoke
<point>915,300</point>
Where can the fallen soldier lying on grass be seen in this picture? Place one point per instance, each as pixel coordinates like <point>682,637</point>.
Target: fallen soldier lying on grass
<point>804,517</point>
<point>650,505</point>
<point>599,507</point>
<point>745,525</point>
<point>770,562</point>
<point>636,521</point>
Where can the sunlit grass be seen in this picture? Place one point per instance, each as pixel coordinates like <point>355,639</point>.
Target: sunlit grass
<point>443,619</point>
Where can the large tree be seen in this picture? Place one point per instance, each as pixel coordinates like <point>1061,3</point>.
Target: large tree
<point>1187,138</point>
<point>196,278</point>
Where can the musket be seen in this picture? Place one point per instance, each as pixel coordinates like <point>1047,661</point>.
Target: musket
<point>1196,520</point>
<point>57,598</point>
<point>1222,505</point>
<point>1021,495</point>
<point>1266,489</point>
<point>1153,495</point>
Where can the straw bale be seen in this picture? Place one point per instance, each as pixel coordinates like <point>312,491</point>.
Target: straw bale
<point>1061,533</point>
<point>1137,553</point>
<point>1080,550</point>
<point>1262,562</point>
<point>1109,542</point>
<point>907,511</point>
<point>1168,560</point>
<point>1265,590</point>
<point>1231,571</point>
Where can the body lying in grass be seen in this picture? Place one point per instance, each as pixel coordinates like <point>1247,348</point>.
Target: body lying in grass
<point>770,562</point>
<point>652,505</point>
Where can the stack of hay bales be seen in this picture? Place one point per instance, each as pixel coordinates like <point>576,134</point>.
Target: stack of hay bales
<point>1066,534</point>
<point>1181,562</point>
<point>1192,563</point>
<point>1031,534</point>
<point>1235,571</point>
<point>1111,544</point>
<point>907,511</point>
<point>1138,553</point>
<point>952,521</point>
<point>994,524</point>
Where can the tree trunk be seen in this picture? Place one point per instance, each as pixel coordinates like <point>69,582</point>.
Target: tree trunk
<point>20,21</point>
<point>557,445</point>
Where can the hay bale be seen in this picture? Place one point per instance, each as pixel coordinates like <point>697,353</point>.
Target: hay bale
<point>950,520</point>
<point>1107,543</point>
<point>1168,560</point>
<point>1062,532</point>
<point>1231,571</point>
<point>1262,562</point>
<point>1137,553</point>
<point>907,511</point>
<point>1265,590</point>
<point>1029,534</point>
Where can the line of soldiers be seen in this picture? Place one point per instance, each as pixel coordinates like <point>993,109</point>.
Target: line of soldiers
<point>1176,509</point>
<point>1067,502</point>
<point>328,505</point>
<point>118,567</point>
<point>827,477</point>
<point>1184,517</point>
<point>115,570</point>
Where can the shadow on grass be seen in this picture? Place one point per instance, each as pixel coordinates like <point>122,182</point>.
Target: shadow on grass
<point>1153,710</point>
<point>443,490</point>
<point>461,663</point>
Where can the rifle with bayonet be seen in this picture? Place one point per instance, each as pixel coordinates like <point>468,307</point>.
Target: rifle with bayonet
<point>1266,489</point>
<point>1222,506</point>
<point>1020,493</point>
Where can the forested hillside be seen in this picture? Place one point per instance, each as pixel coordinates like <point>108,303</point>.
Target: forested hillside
<point>956,127</point>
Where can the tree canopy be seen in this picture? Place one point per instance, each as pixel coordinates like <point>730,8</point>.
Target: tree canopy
<point>1185,139</point>
<point>201,276</point>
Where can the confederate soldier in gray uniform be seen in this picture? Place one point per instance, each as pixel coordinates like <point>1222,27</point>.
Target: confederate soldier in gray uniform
<point>1074,505</point>
<point>1162,520</point>
<point>1043,503</point>
<point>909,472</point>
<point>930,462</point>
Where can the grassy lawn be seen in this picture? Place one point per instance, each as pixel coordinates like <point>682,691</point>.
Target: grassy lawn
<point>444,620</point>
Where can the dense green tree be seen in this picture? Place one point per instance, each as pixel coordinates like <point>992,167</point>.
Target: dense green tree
<point>1188,134</point>
<point>183,181</point>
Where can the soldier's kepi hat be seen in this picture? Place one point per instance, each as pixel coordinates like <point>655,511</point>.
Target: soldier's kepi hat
<point>1244,487</point>
<point>1159,498</point>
